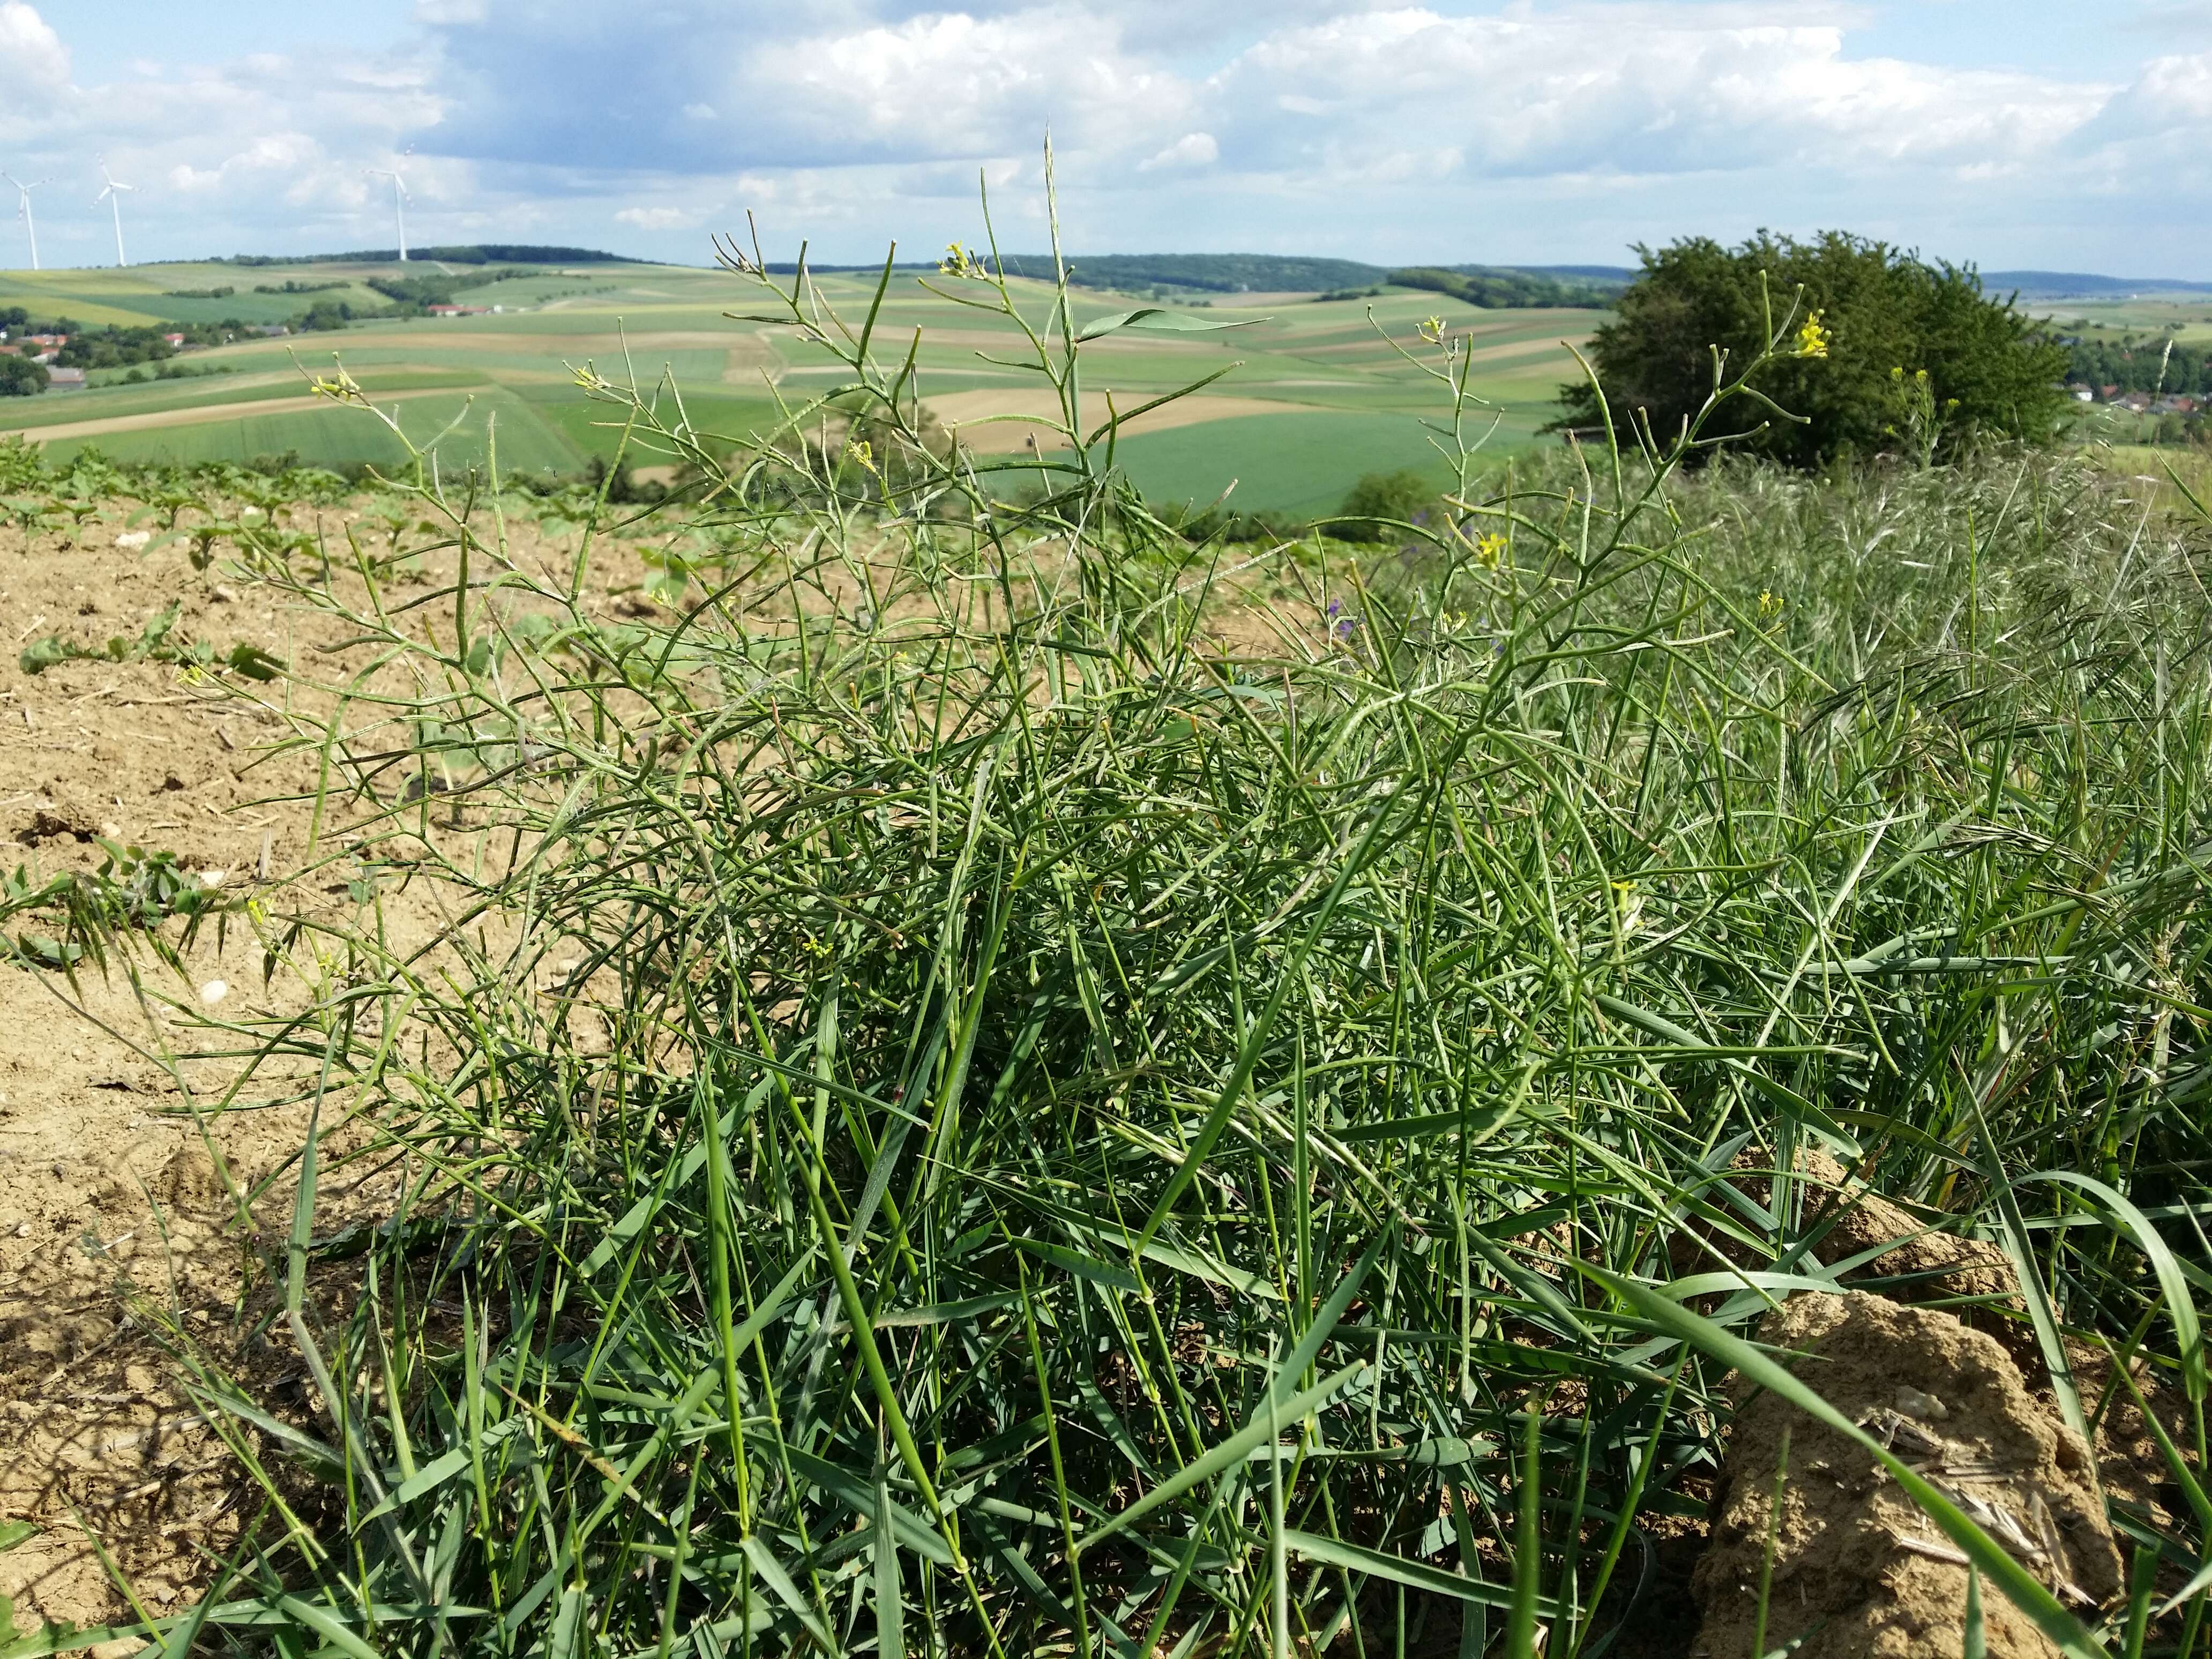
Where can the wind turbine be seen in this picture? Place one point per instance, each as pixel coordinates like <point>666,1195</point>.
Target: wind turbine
<point>113,197</point>
<point>23,212</point>
<point>399,197</point>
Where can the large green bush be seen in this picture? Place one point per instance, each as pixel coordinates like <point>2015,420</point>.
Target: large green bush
<point>21,377</point>
<point>1381,500</point>
<point>1989,370</point>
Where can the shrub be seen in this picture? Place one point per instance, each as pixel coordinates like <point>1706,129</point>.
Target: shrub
<point>20,377</point>
<point>1881,309</point>
<point>1380,499</point>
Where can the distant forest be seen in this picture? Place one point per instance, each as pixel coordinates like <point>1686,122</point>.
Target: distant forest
<point>466,253</point>
<point>1494,286</point>
<point>2141,365</point>
<point>1489,286</point>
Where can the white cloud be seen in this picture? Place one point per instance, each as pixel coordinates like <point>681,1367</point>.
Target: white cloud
<point>2179,85</point>
<point>659,218</point>
<point>1193,150</point>
<point>956,84</point>
<point>1528,130</point>
<point>1632,90</point>
<point>38,63</point>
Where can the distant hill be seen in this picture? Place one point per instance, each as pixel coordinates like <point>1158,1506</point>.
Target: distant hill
<point>2084,285</point>
<point>1207,273</point>
<point>1492,286</point>
<point>466,253</point>
<point>1618,275</point>
<point>1497,287</point>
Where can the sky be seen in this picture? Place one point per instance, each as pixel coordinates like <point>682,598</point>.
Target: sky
<point>2071,135</point>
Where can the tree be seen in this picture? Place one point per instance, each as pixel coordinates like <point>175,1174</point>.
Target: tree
<point>1405,497</point>
<point>1990,369</point>
<point>20,377</point>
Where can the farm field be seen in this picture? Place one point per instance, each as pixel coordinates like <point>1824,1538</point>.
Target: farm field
<point>2188,316</point>
<point>1316,398</point>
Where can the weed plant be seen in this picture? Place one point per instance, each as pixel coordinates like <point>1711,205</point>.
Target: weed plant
<point>962,1111</point>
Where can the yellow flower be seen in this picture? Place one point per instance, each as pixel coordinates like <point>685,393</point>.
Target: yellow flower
<point>1770,604</point>
<point>1432,329</point>
<point>959,262</point>
<point>1812,339</point>
<point>1490,550</point>
<point>861,451</point>
<point>339,387</point>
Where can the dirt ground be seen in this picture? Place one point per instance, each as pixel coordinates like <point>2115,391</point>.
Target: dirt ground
<point>1857,1570</point>
<point>124,1183</point>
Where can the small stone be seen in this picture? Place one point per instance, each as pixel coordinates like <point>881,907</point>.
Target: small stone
<point>214,992</point>
<point>221,595</point>
<point>1924,1406</point>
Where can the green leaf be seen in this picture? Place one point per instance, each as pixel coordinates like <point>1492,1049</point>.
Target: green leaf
<point>253,662</point>
<point>890,1601</point>
<point>1413,1575</point>
<point>1270,1413</point>
<point>782,1587</point>
<point>2188,1334</point>
<point>41,654</point>
<point>14,1533</point>
<point>327,1626</point>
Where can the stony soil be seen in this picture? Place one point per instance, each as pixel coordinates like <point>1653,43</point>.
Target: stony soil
<point>137,1201</point>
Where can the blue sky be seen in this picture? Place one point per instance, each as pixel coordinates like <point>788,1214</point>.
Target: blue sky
<point>2030,133</point>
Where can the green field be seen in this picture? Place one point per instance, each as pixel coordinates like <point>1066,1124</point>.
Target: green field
<point>2188,316</point>
<point>1316,396</point>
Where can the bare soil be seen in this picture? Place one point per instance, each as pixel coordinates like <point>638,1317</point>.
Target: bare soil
<point>1857,1569</point>
<point>140,1208</point>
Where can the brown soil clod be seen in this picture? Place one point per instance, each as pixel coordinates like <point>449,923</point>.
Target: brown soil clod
<point>1858,1569</point>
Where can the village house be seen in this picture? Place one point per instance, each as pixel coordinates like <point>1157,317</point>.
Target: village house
<point>65,380</point>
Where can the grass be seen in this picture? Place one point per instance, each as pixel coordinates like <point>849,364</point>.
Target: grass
<point>1292,465</point>
<point>958,1114</point>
